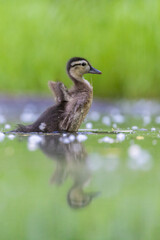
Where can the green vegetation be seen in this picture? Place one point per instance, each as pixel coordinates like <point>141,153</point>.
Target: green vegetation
<point>119,37</point>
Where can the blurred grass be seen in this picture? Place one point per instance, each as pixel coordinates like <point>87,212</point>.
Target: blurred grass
<point>119,37</point>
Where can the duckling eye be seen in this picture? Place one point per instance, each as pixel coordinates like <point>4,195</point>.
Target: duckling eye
<point>83,64</point>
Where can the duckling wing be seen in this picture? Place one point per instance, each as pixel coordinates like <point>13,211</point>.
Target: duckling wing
<point>60,91</point>
<point>74,116</point>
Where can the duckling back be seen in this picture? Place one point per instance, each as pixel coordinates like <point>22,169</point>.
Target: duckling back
<point>47,122</point>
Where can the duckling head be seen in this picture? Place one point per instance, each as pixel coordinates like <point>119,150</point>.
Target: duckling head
<point>77,67</point>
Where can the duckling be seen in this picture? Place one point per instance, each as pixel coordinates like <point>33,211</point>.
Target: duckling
<point>72,105</point>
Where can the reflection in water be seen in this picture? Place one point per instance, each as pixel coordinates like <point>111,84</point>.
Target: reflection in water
<point>71,160</point>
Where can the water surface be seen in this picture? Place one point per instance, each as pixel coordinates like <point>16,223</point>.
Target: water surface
<point>100,183</point>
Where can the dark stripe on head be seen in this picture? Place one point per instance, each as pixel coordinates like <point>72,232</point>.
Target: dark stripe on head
<point>76,64</point>
<point>74,59</point>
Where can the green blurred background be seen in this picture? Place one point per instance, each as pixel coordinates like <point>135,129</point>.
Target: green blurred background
<point>119,37</point>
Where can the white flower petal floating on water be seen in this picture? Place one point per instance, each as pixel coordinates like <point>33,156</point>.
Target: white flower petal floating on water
<point>35,139</point>
<point>134,127</point>
<point>64,140</point>
<point>106,120</point>
<point>11,136</point>
<point>2,136</point>
<point>7,126</point>
<point>33,142</point>
<point>106,140</point>
<point>121,137</point>
<point>72,138</point>
<point>2,119</point>
<point>81,138</point>
<point>139,159</point>
<point>89,125</point>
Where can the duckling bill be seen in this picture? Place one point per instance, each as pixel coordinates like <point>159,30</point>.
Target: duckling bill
<point>72,105</point>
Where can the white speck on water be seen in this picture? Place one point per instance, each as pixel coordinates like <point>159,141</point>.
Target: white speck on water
<point>106,140</point>
<point>81,138</point>
<point>139,159</point>
<point>146,120</point>
<point>35,139</point>
<point>106,120</point>
<point>2,136</point>
<point>33,142</point>
<point>2,119</point>
<point>134,127</point>
<point>121,137</point>
<point>64,140</point>
<point>157,120</point>
<point>7,126</point>
<point>89,125</point>
<point>72,138</point>
<point>67,139</point>
<point>118,118</point>
<point>11,136</point>
<point>42,126</point>
<point>94,116</point>
<point>153,129</point>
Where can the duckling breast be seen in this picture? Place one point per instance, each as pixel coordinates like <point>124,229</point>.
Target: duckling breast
<point>80,110</point>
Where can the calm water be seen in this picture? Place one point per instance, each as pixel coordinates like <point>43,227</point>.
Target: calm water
<point>101,183</point>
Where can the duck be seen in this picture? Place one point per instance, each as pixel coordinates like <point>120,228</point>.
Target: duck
<point>72,105</point>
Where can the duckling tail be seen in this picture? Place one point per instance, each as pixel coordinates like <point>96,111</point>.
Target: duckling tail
<point>21,128</point>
